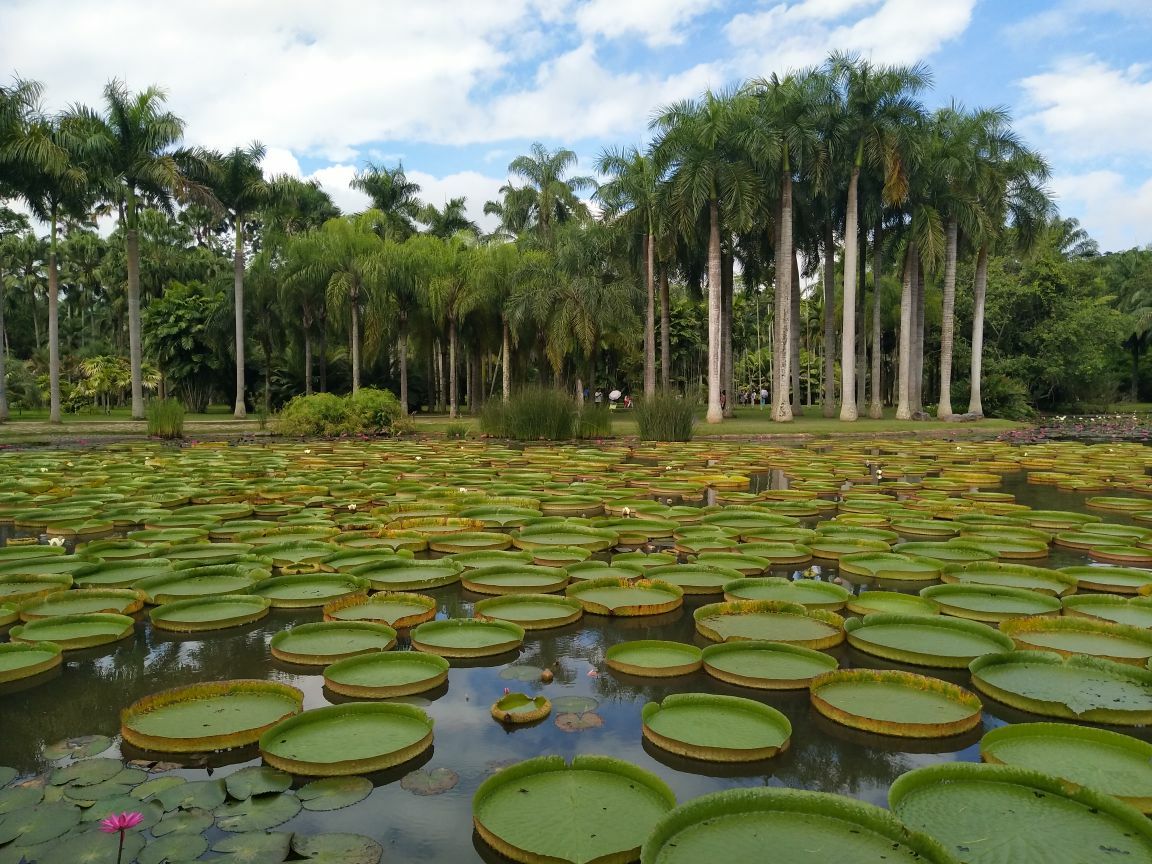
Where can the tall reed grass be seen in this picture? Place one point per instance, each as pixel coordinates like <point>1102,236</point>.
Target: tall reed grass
<point>665,416</point>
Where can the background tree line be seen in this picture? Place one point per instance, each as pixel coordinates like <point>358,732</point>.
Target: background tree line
<point>822,236</point>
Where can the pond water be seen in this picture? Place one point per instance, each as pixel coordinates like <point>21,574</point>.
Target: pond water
<point>96,684</point>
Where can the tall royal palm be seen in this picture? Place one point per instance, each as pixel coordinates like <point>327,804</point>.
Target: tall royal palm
<point>695,147</point>
<point>240,188</point>
<point>393,195</point>
<point>632,196</point>
<point>449,220</point>
<point>549,196</point>
<point>879,103</point>
<point>137,156</point>
<point>453,293</point>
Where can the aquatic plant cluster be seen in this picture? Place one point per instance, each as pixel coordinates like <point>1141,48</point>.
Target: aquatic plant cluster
<point>941,591</point>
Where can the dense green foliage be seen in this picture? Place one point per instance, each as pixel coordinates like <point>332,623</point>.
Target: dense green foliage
<point>543,414</point>
<point>325,415</point>
<point>165,418</point>
<point>665,416</point>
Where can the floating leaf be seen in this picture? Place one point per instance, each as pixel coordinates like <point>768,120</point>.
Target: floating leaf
<point>207,794</point>
<point>337,848</point>
<point>87,772</point>
<point>183,822</point>
<point>333,793</point>
<point>19,797</point>
<point>91,847</point>
<point>434,782</point>
<point>256,780</point>
<point>97,791</point>
<point>34,825</point>
<point>522,672</point>
<point>571,722</point>
<point>150,810</point>
<point>257,814</point>
<point>574,704</point>
<point>254,848</point>
<point>174,849</point>
<point>77,748</point>
<point>155,786</point>
<point>7,775</point>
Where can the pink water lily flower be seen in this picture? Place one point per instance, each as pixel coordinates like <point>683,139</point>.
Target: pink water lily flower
<point>121,822</point>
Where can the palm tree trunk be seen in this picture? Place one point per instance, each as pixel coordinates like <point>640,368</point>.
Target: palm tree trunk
<point>452,408</point>
<point>979,290</point>
<point>782,313</point>
<point>3,356</point>
<point>917,389</point>
<point>876,407</point>
<point>829,397</point>
<point>323,351</point>
<point>267,379</point>
<point>307,362</point>
<point>794,337</point>
<point>354,301</point>
<point>505,359</point>
<point>715,413</point>
<point>903,406</point>
<point>238,296</point>
<point>665,330</point>
<point>135,349</point>
<point>862,330</point>
<point>848,336</point>
<point>948,318</point>
<point>649,316</point>
<point>402,354</point>
<point>727,281</point>
<point>53,325</point>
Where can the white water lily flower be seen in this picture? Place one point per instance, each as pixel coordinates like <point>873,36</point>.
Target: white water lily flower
<point>463,489</point>
<point>627,511</point>
<point>307,451</point>
<point>55,541</point>
<point>352,507</point>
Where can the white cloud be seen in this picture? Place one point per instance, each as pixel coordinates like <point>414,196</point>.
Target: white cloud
<point>474,186</point>
<point>278,161</point>
<point>803,33</point>
<point>1084,109</point>
<point>1115,211</point>
<point>657,22</point>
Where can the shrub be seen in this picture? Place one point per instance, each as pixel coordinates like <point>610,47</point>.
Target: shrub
<point>166,418</point>
<point>666,416</point>
<point>326,415</point>
<point>1001,396</point>
<point>542,414</point>
<point>456,430</point>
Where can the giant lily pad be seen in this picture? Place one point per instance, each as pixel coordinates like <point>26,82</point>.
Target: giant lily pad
<point>121,574</point>
<point>214,715</point>
<point>626,597</point>
<point>695,578</point>
<point>1078,635</point>
<point>765,665</point>
<point>770,620</point>
<point>75,631</point>
<point>308,589</point>
<point>381,675</point>
<point>210,613</point>
<point>24,660</point>
<point>1133,611</point>
<point>874,602</point>
<point>515,579</point>
<point>399,610</point>
<point>1011,576</point>
<point>581,536</point>
<point>530,611</point>
<point>990,603</point>
<point>895,703</point>
<point>811,593</point>
<point>196,582</point>
<point>403,574</point>
<point>716,728</point>
<point>996,814</point>
<point>596,809</point>
<point>892,566</point>
<point>924,640</point>
<point>520,708</point>
<point>328,641</point>
<point>347,739</point>
<point>467,637</point>
<point>18,588</point>
<point>654,658</point>
<point>1119,580</point>
<point>120,601</point>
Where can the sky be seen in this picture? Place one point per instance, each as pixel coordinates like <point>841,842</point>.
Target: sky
<point>458,88</point>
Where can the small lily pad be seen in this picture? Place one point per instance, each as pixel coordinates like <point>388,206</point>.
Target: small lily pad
<point>19,797</point>
<point>87,772</point>
<point>150,810</point>
<point>40,824</point>
<point>205,794</point>
<point>257,814</point>
<point>97,791</point>
<point>337,848</point>
<point>155,786</point>
<point>434,782</point>
<point>333,793</point>
<point>77,748</point>
<point>91,847</point>
<point>572,722</point>
<point>521,672</point>
<point>256,780</point>
<point>173,849</point>
<point>254,847</point>
<point>574,704</point>
<point>7,775</point>
<point>183,822</point>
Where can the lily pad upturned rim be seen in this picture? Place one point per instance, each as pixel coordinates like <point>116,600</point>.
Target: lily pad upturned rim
<point>826,662</point>
<point>162,615</point>
<point>591,539</point>
<point>1081,605</point>
<point>353,585</point>
<point>856,816</point>
<point>946,595</point>
<point>203,690</point>
<point>304,658</point>
<point>486,580</point>
<point>857,564</point>
<point>718,703</point>
<point>333,607</point>
<point>437,674</point>
<point>1085,578</point>
<point>121,601</point>
<point>772,607</point>
<point>477,540</point>
<point>673,596</point>
<point>681,575</point>
<point>366,571</point>
<point>1018,629</point>
<point>513,637</point>
<point>541,708</point>
<point>114,628</point>
<point>1051,581</point>
<point>925,683</point>
<point>33,666</point>
<point>692,660</point>
<point>568,610</point>
<point>333,713</point>
<point>837,595</point>
<point>860,603</point>
<point>922,656</point>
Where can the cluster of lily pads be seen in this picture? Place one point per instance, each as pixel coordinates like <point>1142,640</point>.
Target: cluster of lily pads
<point>936,570</point>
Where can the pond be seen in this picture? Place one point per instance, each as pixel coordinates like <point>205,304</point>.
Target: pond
<point>422,810</point>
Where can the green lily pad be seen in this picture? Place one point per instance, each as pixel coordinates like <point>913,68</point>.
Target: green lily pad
<point>39,824</point>
<point>183,822</point>
<point>98,791</point>
<point>574,704</point>
<point>150,810</point>
<point>337,848</point>
<point>7,775</point>
<point>254,848</point>
<point>257,814</point>
<point>87,772</point>
<point>334,793</point>
<point>19,797</point>
<point>521,672</point>
<point>434,782</point>
<point>202,794</point>
<point>256,780</point>
<point>92,847</point>
<point>572,722</point>
<point>174,849</point>
<point>155,786</point>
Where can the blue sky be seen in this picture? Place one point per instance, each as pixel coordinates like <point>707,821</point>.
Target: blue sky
<point>457,88</point>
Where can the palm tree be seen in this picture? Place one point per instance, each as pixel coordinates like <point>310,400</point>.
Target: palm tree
<point>453,292</point>
<point>449,220</point>
<point>706,173</point>
<point>303,291</point>
<point>240,187</point>
<point>135,156</point>
<point>632,196</point>
<point>878,104</point>
<point>393,195</point>
<point>548,198</point>
<point>13,225</point>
